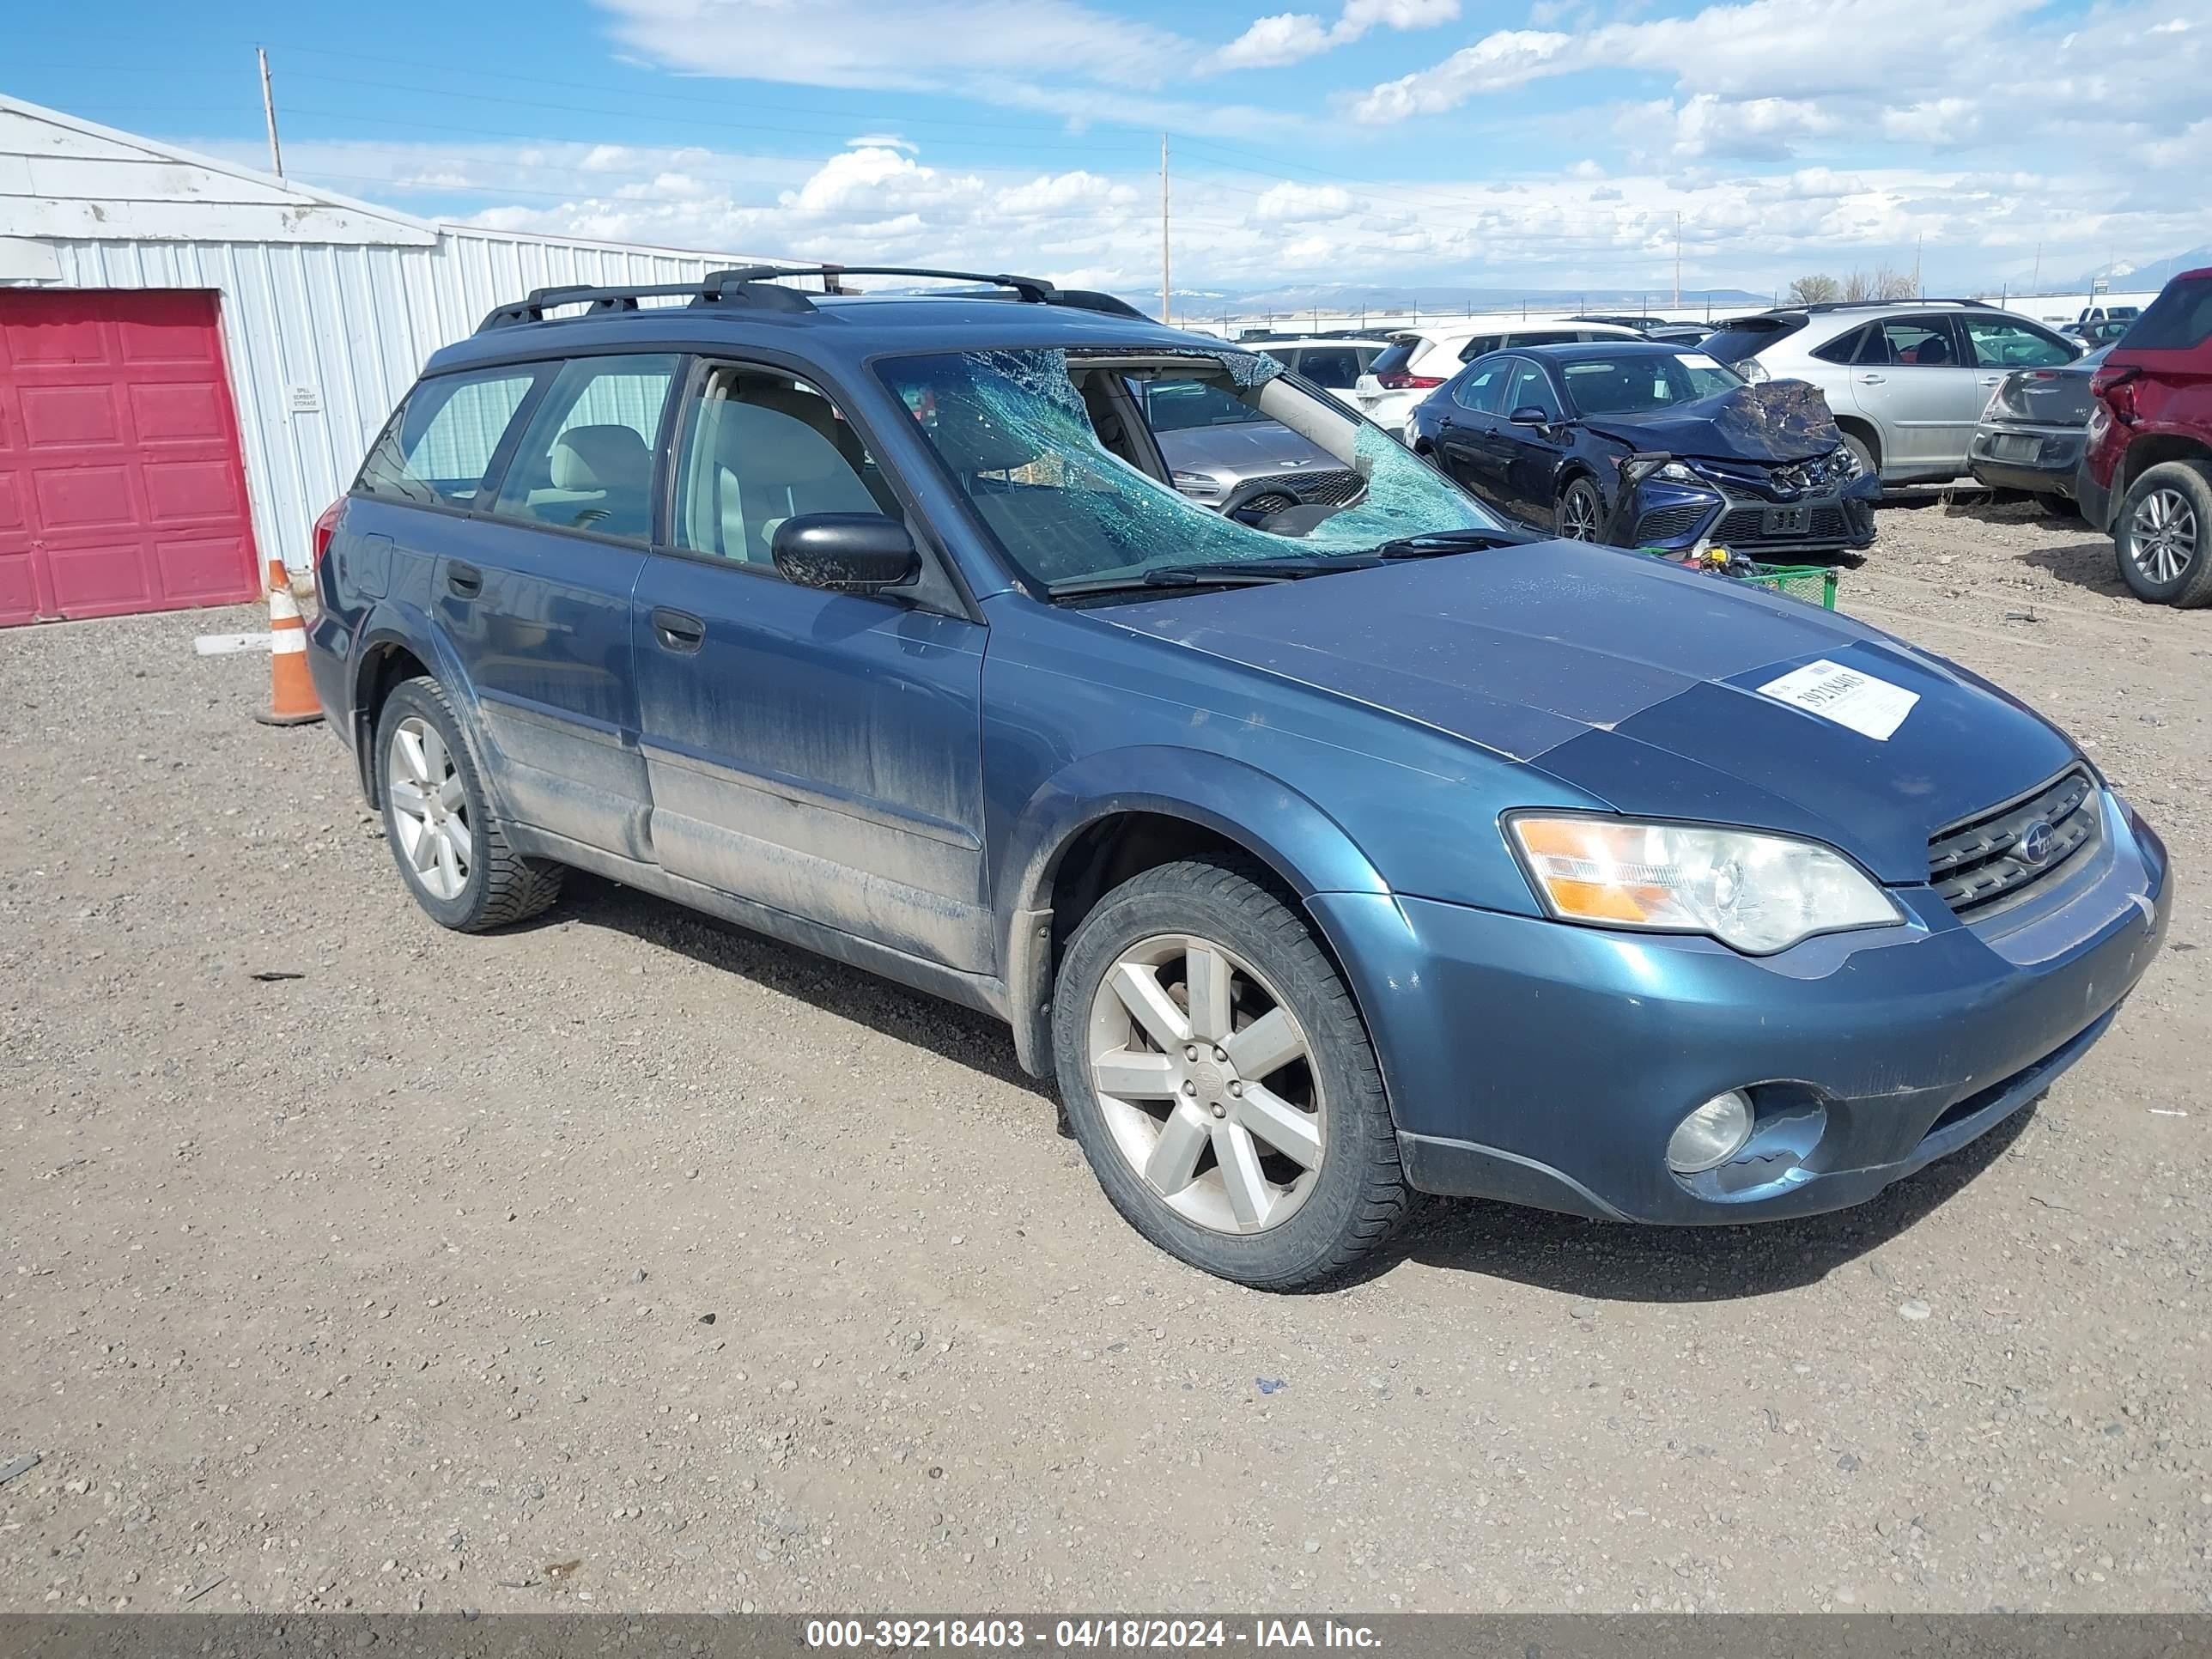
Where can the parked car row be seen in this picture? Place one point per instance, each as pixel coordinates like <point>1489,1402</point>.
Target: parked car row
<point>1324,850</point>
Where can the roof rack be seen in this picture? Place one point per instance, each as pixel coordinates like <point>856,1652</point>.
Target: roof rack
<point>758,287</point>
<point>1867,304</point>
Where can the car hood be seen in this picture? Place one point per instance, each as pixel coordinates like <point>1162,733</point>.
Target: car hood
<point>1776,420</point>
<point>1638,682</point>
<point>1249,449</point>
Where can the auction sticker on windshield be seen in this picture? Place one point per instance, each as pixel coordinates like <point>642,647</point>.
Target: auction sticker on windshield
<point>1849,696</point>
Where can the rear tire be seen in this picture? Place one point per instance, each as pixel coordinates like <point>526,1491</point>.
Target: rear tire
<point>450,852</point>
<point>1247,1131</point>
<point>2162,535</point>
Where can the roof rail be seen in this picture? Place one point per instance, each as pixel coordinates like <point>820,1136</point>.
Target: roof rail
<point>756,287</point>
<point>1910,300</point>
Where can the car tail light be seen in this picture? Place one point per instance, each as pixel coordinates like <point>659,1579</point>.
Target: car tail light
<point>2114,387</point>
<point>1408,382</point>
<point>326,526</point>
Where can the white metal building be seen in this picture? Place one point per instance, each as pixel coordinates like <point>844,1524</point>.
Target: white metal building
<point>194,356</point>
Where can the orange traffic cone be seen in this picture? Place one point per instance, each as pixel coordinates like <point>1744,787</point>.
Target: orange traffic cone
<point>292,699</point>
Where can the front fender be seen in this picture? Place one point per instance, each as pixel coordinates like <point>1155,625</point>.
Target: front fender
<point>1285,830</point>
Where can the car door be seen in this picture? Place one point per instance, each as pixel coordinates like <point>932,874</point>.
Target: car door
<point>1466,436</point>
<point>1531,453</point>
<point>1912,378</point>
<point>819,753</point>
<point>535,599</point>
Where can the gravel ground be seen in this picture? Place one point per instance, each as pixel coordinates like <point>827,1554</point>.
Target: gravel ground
<point>629,1260</point>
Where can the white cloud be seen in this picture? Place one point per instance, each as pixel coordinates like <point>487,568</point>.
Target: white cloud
<point>882,141</point>
<point>1288,36</point>
<point>917,44</point>
<point>1290,204</point>
<point>1283,39</point>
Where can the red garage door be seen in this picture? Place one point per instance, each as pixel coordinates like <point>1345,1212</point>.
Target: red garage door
<point>120,488</point>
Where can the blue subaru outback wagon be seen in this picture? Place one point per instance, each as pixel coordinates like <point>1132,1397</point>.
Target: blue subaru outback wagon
<point>1342,844</point>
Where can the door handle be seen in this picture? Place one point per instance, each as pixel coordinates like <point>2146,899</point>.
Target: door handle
<point>678,630</point>
<point>464,579</point>
<point>1872,380</point>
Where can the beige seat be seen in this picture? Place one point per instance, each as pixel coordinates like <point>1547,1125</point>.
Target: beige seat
<point>601,478</point>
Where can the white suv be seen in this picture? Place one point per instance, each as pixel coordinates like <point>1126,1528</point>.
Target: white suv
<point>1333,365</point>
<point>1421,360</point>
<point>1906,380</point>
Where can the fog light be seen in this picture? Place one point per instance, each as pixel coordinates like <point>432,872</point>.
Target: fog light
<point>1711,1135</point>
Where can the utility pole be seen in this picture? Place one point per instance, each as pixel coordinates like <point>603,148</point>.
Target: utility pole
<point>1678,258</point>
<point>1919,288</point>
<point>2035,282</point>
<point>1167,292</point>
<point>269,109</point>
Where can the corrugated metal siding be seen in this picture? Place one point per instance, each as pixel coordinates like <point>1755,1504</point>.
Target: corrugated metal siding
<point>352,324</point>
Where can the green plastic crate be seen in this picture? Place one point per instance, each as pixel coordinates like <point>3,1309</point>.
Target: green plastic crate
<point>1815,584</point>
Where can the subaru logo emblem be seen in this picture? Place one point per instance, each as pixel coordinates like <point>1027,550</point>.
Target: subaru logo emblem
<point>2035,842</point>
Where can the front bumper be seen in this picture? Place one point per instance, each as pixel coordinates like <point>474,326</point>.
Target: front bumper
<point>1673,516</point>
<point>1546,1064</point>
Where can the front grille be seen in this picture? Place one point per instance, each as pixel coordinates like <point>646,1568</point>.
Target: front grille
<point>1741,524</point>
<point>1667,523</point>
<point>1330,487</point>
<point>2000,854</point>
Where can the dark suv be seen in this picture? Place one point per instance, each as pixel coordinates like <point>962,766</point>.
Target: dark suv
<point>1323,851</point>
<point>2147,476</point>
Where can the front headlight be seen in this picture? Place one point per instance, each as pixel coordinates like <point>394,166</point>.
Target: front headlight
<point>1200,486</point>
<point>1757,893</point>
<point>1845,460</point>
<point>1675,472</point>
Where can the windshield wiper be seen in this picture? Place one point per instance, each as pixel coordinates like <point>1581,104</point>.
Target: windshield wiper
<point>1251,573</point>
<point>1241,573</point>
<point>1435,543</point>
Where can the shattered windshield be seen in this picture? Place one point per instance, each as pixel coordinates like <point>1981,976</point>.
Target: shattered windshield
<point>1041,441</point>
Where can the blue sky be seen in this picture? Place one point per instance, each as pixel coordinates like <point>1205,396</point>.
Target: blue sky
<point>1540,144</point>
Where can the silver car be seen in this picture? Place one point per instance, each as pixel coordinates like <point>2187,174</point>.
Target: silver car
<point>1906,380</point>
<point>1225,454</point>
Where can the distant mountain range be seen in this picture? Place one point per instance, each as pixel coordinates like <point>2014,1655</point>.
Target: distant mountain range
<point>2132,274</point>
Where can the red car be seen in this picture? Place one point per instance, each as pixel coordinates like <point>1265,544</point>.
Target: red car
<point>2147,475</point>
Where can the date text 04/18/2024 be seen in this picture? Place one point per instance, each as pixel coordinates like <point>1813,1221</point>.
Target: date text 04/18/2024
<point>1073,1634</point>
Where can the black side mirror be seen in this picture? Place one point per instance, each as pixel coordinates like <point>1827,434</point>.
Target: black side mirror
<point>1529,415</point>
<point>845,552</point>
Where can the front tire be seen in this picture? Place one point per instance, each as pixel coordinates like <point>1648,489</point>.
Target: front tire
<point>2162,535</point>
<point>450,850</point>
<point>1581,512</point>
<point>1220,1081</point>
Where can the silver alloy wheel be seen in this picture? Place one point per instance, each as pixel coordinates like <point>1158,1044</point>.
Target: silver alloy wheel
<point>2162,535</point>
<point>429,808</point>
<point>1578,515</point>
<point>1206,1083</point>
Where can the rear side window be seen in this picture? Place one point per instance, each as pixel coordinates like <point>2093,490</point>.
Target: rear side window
<point>1844,348</point>
<point>1481,386</point>
<point>438,447</point>
<point>586,462</point>
<point>1915,343</point>
<point>1554,336</point>
<point>2179,318</point>
<point>1333,367</point>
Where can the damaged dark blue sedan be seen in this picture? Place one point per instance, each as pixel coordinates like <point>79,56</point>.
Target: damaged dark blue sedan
<point>1539,434</point>
<point>1324,853</point>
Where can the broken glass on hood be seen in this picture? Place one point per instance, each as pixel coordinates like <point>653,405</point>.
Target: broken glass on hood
<point>1050,446</point>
